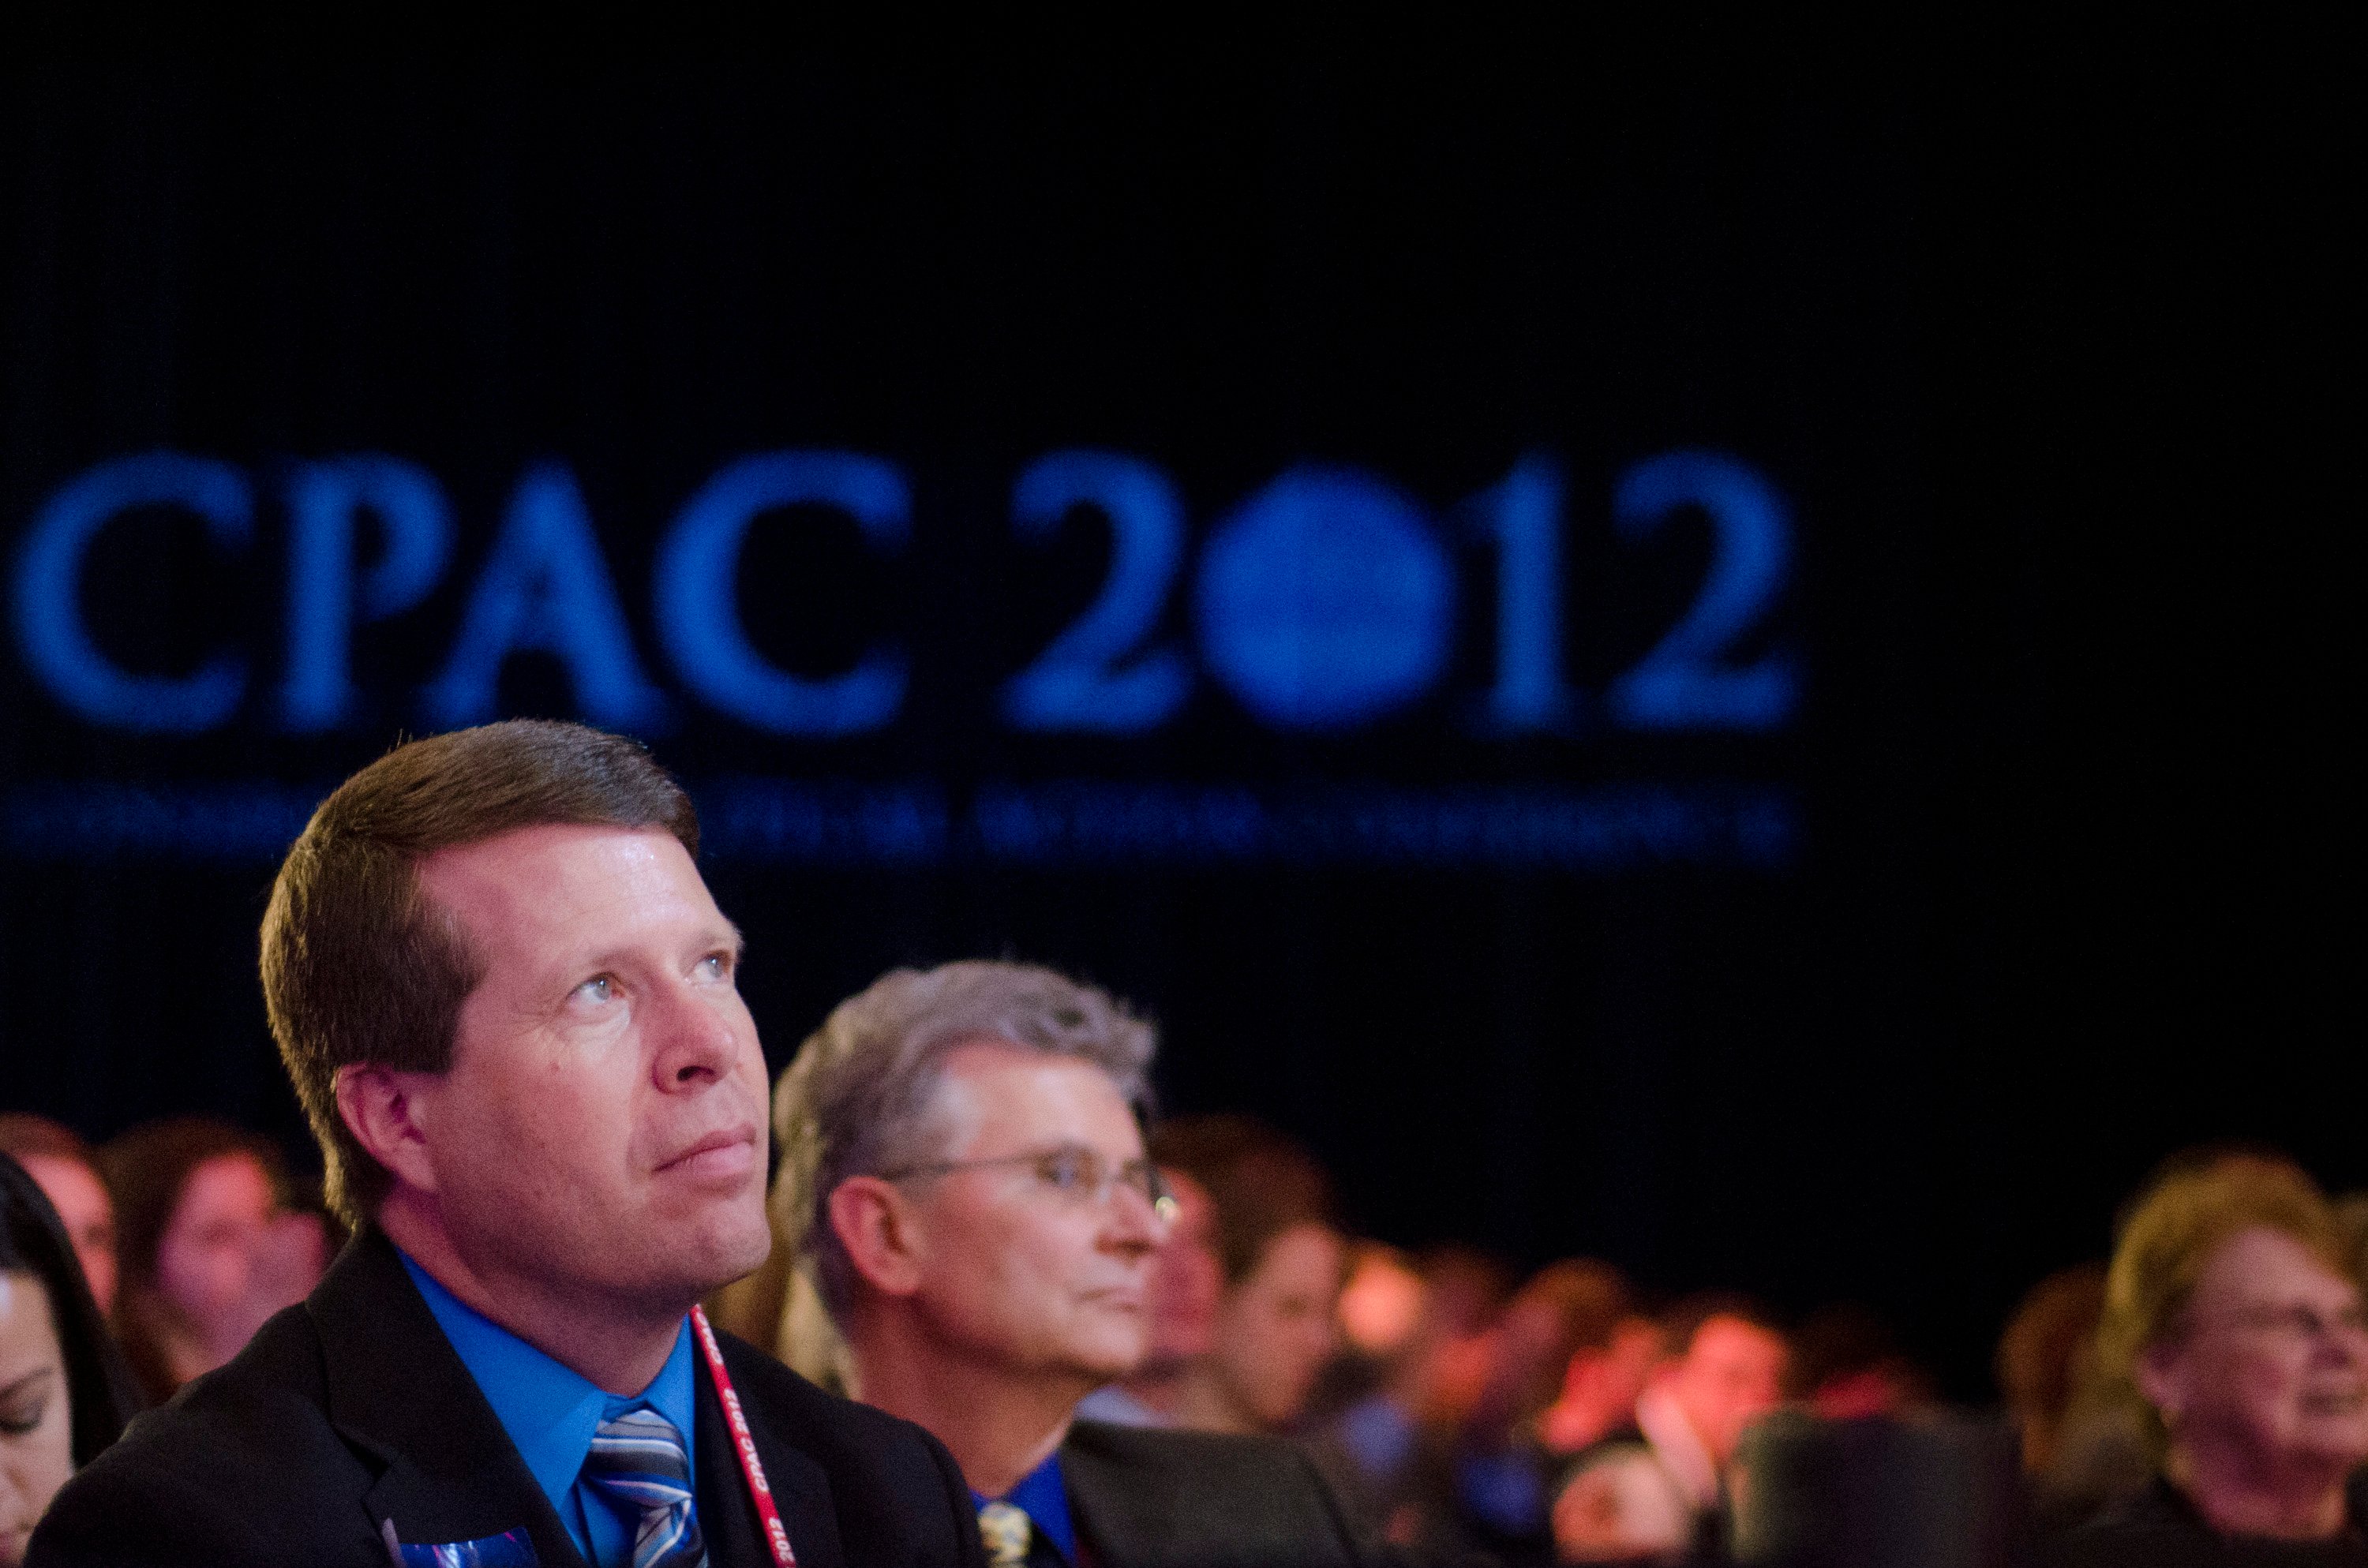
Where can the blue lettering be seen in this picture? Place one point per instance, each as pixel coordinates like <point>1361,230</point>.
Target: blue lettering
<point>699,624</point>
<point>1325,601</point>
<point>546,588</point>
<point>324,500</point>
<point>50,629</point>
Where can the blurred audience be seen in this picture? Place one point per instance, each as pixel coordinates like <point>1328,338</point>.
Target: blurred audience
<point>1417,1335</point>
<point>64,1393</point>
<point>1599,1386</point>
<point>2081,1436</point>
<point>1662,1492</point>
<point>1186,1281</point>
<point>1282,1259</point>
<point>1497,1472</point>
<point>1846,1365</point>
<point>68,1174</point>
<point>2231,1310</point>
<point>963,1179</point>
<point>207,1245</point>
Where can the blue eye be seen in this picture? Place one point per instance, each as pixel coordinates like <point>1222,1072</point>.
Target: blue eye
<point>1067,1170</point>
<point>600,988</point>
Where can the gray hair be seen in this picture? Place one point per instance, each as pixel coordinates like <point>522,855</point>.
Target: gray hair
<point>856,1100</point>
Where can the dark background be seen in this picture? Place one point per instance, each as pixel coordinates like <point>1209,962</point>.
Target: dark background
<point>2048,343</point>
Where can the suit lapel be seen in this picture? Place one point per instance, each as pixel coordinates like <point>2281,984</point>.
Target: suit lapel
<point>398,1391</point>
<point>1119,1519</point>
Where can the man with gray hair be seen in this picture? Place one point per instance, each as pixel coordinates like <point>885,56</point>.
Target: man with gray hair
<point>964,1181</point>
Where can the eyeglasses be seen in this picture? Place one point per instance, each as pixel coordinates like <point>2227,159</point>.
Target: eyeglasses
<point>1079,1175</point>
<point>2300,1322</point>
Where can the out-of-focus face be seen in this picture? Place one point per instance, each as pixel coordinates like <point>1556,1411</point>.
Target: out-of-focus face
<point>1732,1375</point>
<point>601,1129</point>
<point>206,1258</point>
<point>1187,1278</point>
<point>1381,1305</point>
<point>1016,1271</point>
<point>35,1415</point>
<point>74,1190</point>
<point>2271,1362</point>
<point>1274,1329</point>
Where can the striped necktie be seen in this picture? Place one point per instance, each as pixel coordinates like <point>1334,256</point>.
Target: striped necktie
<point>637,1459</point>
<point>1004,1530</point>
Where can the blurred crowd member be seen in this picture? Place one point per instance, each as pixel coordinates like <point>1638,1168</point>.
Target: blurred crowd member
<point>2352,1222</point>
<point>64,1393</point>
<point>1422,1376</point>
<point>1382,1304</point>
<point>209,1246</point>
<point>1498,1473</point>
<point>1599,1385</point>
<point>1662,1492</point>
<point>1283,1261</point>
<point>2230,1307</point>
<point>2081,1435</point>
<point>1187,1280</point>
<point>1845,1365</point>
<point>965,1178</point>
<point>68,1174</point>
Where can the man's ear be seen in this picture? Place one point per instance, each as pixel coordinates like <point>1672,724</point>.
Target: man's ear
<point>880,1231</point>
<point>383,1108</point>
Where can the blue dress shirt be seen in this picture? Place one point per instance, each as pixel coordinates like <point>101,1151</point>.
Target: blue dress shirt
<point>1044,1500</point>
<point>550,1412</point>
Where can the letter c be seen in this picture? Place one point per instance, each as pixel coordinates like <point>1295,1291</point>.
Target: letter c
<point>702,630</point>
<point>50,630</point>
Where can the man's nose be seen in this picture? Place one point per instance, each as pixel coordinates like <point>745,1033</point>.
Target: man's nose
<point>698,1041</point>
<point>1131,1224</point>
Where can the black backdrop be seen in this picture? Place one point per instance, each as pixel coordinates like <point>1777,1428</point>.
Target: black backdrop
<point>2030,353</point>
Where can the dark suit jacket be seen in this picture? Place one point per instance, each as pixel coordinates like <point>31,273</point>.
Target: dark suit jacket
<point>1147,1498</point>
<point>353,1409</point>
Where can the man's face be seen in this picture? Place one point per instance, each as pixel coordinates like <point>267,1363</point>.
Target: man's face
<point>1275,1330</point>
<point>2274,1362</point>
<point>601,1128</point>
<point>1015,1272</point>
<point>1730,1376</point>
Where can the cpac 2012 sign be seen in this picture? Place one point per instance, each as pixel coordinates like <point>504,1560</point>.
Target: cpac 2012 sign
<point>1322,602</point>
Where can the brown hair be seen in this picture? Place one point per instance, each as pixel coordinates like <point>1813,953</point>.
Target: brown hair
<point>145,1171</point>
<point>2169,1237</point>
<point>358,967</point>
<point>2048,1352</point>
<point>24,1136</point>
<point>1260,1183</point>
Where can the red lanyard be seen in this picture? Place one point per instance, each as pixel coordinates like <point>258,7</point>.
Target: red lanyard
<point>750,1465</point>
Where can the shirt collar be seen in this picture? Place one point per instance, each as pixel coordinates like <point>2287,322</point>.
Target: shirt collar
<point>1044,1500</point>
<point>551,1411</point>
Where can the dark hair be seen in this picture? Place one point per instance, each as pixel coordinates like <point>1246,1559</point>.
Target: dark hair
<point>1260,1183</point>
<point>145,1171</point>
<point>24,1135</point>
<point>1690,1316</point>
<point>32,1241</point>
<point>359,966</point>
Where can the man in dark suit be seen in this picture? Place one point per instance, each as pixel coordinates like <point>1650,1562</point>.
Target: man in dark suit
<point>508,1004</point>
<point>964,1176</point>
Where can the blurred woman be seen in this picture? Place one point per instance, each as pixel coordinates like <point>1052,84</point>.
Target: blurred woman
<point>1283,1261</point>
<point>64,1393</point>
<point>208,1247</point>
<point>2230,1310</point>
<point>68,1174</point>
